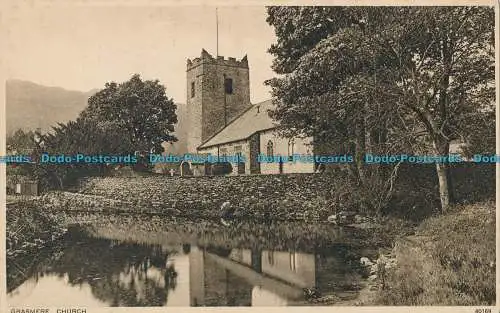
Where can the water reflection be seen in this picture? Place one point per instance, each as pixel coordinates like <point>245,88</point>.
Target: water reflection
<point>108,272</point>
<point>117,273</point>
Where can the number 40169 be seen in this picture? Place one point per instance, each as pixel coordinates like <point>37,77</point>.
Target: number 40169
<point>483,310</point>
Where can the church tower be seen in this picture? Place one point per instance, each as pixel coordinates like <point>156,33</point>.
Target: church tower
<point>218,90</point>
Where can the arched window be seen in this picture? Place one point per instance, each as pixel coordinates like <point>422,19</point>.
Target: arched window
<point>270,150</point>
<point>293,261</point>
<point>270,257</point>
<point>291,146</point>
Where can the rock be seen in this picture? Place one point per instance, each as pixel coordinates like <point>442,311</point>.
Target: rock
<point>365,261</point>
<point>311,293</point>
<point>365,225</point>
<point>359,219</point>
<point>332,219</point>
<point>382,260</point>
<point>347,215</point>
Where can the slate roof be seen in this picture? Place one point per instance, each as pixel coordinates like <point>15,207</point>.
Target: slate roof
<point>254,119</point>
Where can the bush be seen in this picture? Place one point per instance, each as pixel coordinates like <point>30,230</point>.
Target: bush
<point>223,168</point>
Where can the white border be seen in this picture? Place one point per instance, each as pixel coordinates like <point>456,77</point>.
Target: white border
<point>5,7</point>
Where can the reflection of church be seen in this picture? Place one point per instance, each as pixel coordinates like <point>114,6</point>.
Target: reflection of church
<point>244,277</point>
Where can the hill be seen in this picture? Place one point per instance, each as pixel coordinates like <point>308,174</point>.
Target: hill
<point>179,147</point>
<point>30,106</point>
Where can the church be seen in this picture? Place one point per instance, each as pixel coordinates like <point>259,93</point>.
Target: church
<point>222,121</point>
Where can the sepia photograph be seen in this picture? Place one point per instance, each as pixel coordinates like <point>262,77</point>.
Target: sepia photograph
<point>249,155</point>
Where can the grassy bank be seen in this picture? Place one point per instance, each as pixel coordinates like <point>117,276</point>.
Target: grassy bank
<point>449,261</point>
<point>29,228</point>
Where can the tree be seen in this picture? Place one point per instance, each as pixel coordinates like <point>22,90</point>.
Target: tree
<point>69,139</point>
<point>141,110</point>
<point>449,79</point>
<point>19,143</point>
<point>383,79</point>
<point>328,65</point>
<point>480,138</point>
<point>22,142</point>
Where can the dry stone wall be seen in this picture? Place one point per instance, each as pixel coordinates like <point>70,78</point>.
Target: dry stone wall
<point>309,197</point>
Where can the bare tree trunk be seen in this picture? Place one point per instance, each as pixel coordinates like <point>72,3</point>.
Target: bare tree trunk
<point>442,145</point>
<point>444,187</point>
<point>443,172</point>
<point>360,145</point>
<point>61,185</point>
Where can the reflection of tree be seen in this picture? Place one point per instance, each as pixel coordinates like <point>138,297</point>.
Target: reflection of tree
<point>186,248</point>
<point>218,250</point>
<point>120,274</point>
<point>170,277</point>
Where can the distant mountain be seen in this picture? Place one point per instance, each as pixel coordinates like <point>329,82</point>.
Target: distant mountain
<point>30,106</point>
<point>179,147</point>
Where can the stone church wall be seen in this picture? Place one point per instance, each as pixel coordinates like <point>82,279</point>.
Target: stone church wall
<point>231,149</point>
<point>210,108</point>
<point>281,147</point>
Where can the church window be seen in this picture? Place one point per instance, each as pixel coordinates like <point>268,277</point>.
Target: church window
<point>223,152</point>
<point>270,257</point>
<point>192,90</point>
<point>270,149</point>
<point>293,261</point>
<point>291,147</point>
<point>228,85</point>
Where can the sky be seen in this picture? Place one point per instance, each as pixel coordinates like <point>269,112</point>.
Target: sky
<point>83,47</point>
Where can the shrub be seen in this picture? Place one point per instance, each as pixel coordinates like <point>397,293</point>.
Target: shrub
<point>452,261</point>
<point>223,168</point>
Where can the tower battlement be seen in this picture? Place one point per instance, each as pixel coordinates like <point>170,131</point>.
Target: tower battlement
<point>207,58</point>
<point>218,90</point>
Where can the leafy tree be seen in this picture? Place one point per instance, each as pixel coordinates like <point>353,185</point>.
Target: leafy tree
<point>71,138</point>
<point>383,79</point>
<point>481,136</point>
<point>120,119</point>
<point>22,142</point>
<point>140,110</point>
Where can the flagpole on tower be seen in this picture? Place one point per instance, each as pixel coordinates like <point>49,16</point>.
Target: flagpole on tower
<point>217,28</point>
<point>216,61</point>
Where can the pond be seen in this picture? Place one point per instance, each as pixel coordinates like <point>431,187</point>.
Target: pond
<point>132,261</point>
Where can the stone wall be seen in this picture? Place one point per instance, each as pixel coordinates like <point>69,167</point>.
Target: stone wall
<point>282,147</point>
<point>254,196</point>
<point>278,197</point>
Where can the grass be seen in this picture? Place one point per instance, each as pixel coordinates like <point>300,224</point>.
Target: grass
<point>449,261</point>
<point>29,228</point>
